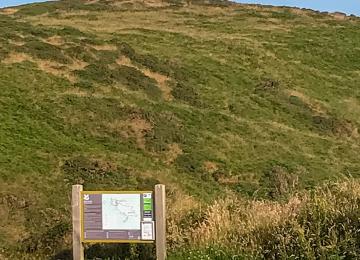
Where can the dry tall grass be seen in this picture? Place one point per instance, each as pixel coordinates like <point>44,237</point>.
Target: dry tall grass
<point>324,222</point>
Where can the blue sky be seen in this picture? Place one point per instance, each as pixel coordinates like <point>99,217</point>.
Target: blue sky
<point>5,3</point>
<point>346,6</point>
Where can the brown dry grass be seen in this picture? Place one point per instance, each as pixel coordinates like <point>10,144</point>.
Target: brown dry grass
<point>135,127</point>
<point>17,43</point>
<point>125,61</point>
<point>105,47</point>
<point>226,216</point>
<point>54,68</point>
<point>174,150</point>
<point>76,92</point>
<point>178,207</point>
<point>15,57</point>
<point>339,16</point>
<point>128,20</point>
<point>55,40</point>
<point>210,166</point>
<point>237,219</point>
<point>8,11</point>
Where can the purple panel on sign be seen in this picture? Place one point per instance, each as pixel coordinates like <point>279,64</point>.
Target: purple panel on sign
<point>95,235</point>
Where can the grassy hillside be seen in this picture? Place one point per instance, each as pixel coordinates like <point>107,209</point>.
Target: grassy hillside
<point>213,100</point>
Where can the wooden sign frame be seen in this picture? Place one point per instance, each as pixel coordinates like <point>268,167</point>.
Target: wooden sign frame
<point>78,220</point>
<point>120,241</point>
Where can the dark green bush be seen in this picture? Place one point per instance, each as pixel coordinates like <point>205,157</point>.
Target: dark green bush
<point>44,51</point>
<point>84,84</point>
<point>80,53</point>
<point>98,73</point>
<point>121,251</point>
<point>146,60</point>
<point>167,129</point>
<point>186,93</point>
<point>136,80</point>
<point>48,241</point>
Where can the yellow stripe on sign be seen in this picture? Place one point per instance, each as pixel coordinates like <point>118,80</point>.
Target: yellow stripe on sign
<point>118,241</point>
<point>115,192</point>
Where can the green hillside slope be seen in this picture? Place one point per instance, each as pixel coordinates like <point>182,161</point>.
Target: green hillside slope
<point>209,99</point>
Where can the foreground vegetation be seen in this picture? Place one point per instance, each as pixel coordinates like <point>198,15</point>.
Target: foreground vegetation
<point>231,106</point>
<point>321,224</point>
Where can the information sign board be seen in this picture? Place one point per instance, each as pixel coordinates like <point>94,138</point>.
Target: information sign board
<point>118,217</point>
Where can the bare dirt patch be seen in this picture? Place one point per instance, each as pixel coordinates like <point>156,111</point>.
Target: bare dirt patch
<point>17,43</point>
<point>299,11</point>
<point>105,47</point>
<point>76,92</point>
<point>55,40</point>
<point>155,3</point>
<point>89,2</point>
<point>77,65</point>
<point>125,61</point>
<point>60,70</point>
<point>55,69</point>
<point>15,57</point>
<point>8,11</point>
<point>339,16</point>
<point>47,66</point>
<point>228,180</point>
<point>210,166</point>
<point>135,127</point>
<point>174,150</point>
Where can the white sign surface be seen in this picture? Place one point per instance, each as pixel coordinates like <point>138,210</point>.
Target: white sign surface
<point>147,230</point>
<point>121,211</point>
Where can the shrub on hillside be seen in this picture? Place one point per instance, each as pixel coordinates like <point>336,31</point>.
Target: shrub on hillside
<point>136,80</point>
<point>44,51</point>
<point>149,61</point>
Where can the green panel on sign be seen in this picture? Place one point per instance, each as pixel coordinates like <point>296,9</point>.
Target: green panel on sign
<point>147,207</point>
<point>147,204</point>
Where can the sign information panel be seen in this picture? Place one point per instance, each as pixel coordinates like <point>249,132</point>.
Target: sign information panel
<point>117,216</point>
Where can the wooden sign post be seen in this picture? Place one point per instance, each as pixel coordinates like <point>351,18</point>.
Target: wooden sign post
<point>160,218</point>
<point>78,249</point>
<point>118,217</point>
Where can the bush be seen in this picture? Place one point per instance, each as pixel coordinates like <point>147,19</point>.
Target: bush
<point>80,53</point>
<point>44,51</point>
<point>136,80</point>
<point>186,93</point>
<point>98,73</point>
<point>121,251</point>
<point>148,61</point>
<point>167,129</point>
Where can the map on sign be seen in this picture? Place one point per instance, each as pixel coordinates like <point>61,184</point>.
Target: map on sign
<point>121,211</point>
